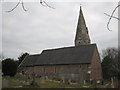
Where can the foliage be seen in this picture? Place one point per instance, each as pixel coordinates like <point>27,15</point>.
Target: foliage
<point>9,67</point>
<point>22,56</point>
<point>17,62</point>
<point>106,64</point>
<point>110,63</point>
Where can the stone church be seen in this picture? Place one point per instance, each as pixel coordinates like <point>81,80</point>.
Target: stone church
<point>78,63</point>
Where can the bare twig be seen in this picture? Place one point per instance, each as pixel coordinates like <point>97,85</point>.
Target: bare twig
<point>111,16</point>
<point>15,6</point>
<point>23,6</point>
<point>48,5</point>
<point>43,3</point>
<point>18,5</point>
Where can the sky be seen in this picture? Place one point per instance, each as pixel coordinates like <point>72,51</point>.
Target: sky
<point>42,28</point>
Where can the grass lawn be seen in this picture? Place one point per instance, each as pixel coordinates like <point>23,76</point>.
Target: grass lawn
<point>15,82</point>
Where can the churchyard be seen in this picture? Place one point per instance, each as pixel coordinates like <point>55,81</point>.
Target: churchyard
<point>23,82</point>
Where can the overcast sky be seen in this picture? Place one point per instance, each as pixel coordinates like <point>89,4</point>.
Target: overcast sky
<point>43,28</point>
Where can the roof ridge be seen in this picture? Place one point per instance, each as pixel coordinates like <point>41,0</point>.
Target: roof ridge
<point>68,47</point>
<point>34,54</point>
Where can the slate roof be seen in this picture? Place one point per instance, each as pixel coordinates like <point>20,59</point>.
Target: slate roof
<point>67,55</point>
<point>30,60</point>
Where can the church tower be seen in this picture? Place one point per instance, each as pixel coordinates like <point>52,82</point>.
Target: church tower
<point>82,36</point>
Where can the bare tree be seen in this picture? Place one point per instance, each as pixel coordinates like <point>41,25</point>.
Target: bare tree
<point>111,52</point>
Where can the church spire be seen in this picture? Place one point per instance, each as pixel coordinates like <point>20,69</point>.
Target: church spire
<point>82,36</point>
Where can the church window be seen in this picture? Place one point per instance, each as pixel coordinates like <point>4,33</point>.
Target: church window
<point>87,31</point>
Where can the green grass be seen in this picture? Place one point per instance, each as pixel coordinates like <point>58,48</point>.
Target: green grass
<point>49,84</point>
<point>15,82</point>
<point>53,84</point>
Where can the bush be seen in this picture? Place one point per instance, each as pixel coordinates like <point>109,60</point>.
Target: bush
<point>9,67</point>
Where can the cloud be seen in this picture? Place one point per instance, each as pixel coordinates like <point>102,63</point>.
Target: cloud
<point>41,27</point>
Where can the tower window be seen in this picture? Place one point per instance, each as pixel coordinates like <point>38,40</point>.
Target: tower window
<point>87,31</point>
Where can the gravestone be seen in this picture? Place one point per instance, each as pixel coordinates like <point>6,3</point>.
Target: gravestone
<point>5,84</point>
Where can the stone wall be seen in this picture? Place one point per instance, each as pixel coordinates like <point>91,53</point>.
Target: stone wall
<point>72,72</point>
<point>96,67</point>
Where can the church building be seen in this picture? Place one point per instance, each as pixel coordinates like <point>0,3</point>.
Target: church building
<point>77,63</point>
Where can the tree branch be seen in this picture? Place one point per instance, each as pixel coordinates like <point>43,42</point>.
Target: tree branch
<point>23,6</point>
<point>15,6</point>
<point>43,3</point>
<point>111,16</point>
<point>18,5</point>
<point>48,5</point>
